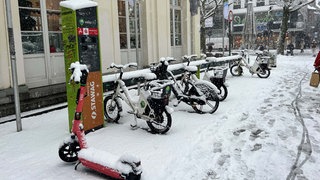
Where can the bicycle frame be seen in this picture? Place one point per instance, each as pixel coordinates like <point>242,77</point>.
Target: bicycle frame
<point>151,105</point>
<point>136,109</point>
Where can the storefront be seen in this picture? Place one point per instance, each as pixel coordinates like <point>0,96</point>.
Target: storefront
<point>130,31</point>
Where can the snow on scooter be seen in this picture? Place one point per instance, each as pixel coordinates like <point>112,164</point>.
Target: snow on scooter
<point>75,147</point>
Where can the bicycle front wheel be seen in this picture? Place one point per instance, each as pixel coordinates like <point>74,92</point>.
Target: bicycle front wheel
<point>212,100</point>
<point>236,70</point>
<point>112,108</point>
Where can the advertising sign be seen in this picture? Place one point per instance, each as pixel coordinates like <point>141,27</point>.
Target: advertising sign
<point>81,43</point>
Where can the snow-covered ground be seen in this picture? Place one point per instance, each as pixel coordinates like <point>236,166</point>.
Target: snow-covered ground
<point>263,129</point>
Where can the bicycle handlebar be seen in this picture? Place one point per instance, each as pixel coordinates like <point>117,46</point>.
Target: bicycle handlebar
<point>120,66</point>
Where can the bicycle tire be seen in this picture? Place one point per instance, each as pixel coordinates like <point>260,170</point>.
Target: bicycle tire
<point>212,100</point>
<point>112,108</point>
<point>161,124</point>
<point>236,70</point>
<point>223,92</point>
<point>265,73</point>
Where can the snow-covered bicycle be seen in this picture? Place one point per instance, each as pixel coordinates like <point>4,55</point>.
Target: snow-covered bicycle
<point>198,94</point>
<point>152,105</point>
<point>217,78</point>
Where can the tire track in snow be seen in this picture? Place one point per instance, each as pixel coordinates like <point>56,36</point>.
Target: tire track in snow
<point>305,144</point>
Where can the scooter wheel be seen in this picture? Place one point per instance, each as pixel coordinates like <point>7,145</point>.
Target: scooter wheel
<point>68,152</point>
<point>132,176</point>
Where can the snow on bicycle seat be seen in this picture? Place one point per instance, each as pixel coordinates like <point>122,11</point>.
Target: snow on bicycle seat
<point>211,59</point>
<point>192,69</point>
<point>149,76</point>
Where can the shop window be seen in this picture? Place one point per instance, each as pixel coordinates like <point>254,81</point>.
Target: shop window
<point>175,23</point>
<point>54,26</point>
<point>32,29</point>
<point>260,3</point>
<point>272,2</point>
<point>31,26</point>
<point>128,14</point>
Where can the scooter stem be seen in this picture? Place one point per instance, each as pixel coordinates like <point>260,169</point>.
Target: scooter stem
<point>77,127</point>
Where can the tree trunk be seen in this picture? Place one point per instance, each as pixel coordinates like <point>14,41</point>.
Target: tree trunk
<point>284,29</point>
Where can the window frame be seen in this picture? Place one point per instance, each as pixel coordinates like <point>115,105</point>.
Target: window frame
<point>175,37</point>
<point>43,29</point>
<point>126,32</point>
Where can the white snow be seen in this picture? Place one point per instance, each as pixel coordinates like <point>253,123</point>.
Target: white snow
<point>254,135</point>
<point>78,4</point>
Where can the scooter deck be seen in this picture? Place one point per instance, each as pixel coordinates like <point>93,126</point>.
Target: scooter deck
<point>103,162</point>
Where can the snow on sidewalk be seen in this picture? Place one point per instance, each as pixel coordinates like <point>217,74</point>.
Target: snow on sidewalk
<point>255,134</point>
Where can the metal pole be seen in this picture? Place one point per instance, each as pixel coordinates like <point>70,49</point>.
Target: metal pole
<point>223,34</point>
<point>230,38</point>
<point>136,31</point>
<point>13,66</point>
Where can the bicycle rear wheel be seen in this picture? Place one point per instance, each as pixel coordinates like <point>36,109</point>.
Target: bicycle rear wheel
<point>212,100</point>
<point>161,124</point>
<point>223,92</point>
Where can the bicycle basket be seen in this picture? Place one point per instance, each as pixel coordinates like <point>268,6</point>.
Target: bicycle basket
<point>219,76</point>
<point>161,93</point>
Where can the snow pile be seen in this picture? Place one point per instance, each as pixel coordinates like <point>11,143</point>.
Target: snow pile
<point>78,4</point>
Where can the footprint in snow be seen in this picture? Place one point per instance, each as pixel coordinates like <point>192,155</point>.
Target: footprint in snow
<point>238,132</point>
<point>256,147</point>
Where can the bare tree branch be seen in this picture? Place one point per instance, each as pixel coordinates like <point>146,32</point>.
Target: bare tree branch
<point>302,4</point>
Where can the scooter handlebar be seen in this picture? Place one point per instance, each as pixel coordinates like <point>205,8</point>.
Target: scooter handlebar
<point>77,70</point>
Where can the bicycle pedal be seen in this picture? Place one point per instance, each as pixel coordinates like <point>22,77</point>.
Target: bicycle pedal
<point>134,127</point>
<point>175,103</point>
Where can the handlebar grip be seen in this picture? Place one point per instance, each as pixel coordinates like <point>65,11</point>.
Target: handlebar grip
<point>131,65</point>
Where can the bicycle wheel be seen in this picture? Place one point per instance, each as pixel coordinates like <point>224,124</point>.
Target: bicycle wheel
<point>212,100</point>
<point>264,73</point>
<point>112,108</point>
<point>68,152</point>
<point>161,123</point>
<point>236,70</point>
<point>223,92</point>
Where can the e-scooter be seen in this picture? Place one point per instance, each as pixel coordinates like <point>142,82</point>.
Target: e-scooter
<point>75,147</point>
<point>259,67</point>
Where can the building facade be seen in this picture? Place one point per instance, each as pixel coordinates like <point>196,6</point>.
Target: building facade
<point>130,31</point>
<point>302,25</point>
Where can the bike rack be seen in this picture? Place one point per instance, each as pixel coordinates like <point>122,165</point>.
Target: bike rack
<point>138,76</point>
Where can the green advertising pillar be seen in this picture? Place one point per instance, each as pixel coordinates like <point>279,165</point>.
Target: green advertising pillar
<point>81,43</point>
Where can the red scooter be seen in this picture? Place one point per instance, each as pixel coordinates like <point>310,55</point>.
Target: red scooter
<point>75,147</point>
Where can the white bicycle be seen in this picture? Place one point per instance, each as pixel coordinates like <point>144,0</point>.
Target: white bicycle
<point>152,105</point>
